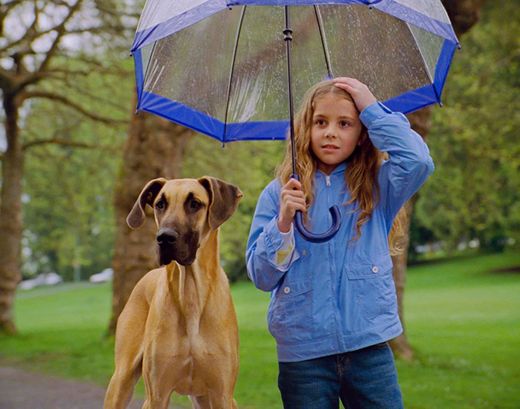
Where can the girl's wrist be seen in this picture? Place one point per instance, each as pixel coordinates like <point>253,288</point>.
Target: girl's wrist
<point>283,226</point>
<point>366,103</point>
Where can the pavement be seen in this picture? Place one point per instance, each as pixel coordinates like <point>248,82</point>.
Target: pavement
<point>21,389</point>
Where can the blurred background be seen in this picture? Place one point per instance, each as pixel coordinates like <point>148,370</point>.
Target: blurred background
<point>74,157</point>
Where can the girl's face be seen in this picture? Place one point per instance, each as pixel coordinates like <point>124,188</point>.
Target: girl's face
<point>336,131</point>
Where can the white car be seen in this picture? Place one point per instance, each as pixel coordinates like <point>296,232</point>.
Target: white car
<point>103,277</point>
<point>40,280</point>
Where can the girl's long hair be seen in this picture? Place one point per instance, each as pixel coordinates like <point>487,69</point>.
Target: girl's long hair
<point>363,163</point>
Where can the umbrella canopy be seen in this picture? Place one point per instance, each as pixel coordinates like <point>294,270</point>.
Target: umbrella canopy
<point>219,67</point>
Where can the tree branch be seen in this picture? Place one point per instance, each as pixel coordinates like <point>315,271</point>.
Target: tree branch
<point>26,38</point>
<point>71,104</point>
<point>116,12</point>
<point>60,30</point>
<point>123,108</point>
<point>5,80</point>
<point>29,79</point>
<point>66,142</point>
<point>31,33</point>
<point>5,8</point>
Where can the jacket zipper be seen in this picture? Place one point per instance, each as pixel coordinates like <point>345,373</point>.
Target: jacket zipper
<point>332,273</point>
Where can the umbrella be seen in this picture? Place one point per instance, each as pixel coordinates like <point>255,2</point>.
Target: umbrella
<point>233,69</point>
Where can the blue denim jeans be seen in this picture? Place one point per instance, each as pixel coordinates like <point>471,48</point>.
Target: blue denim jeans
<point>363,379</point>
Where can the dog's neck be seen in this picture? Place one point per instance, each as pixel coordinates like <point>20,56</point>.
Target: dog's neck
<point>192,285</point>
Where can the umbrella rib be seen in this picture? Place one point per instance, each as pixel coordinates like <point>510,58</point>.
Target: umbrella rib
<point>426,68</point>
<point>324,44</point>
<point>420,52</point>
<point>145,77</point>
<point>235,49</point>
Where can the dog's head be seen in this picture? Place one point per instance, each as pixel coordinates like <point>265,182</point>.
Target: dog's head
<point>185,210</point>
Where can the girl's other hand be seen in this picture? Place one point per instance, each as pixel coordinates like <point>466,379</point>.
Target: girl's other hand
<point>292,199</point>
<point>360,93</point>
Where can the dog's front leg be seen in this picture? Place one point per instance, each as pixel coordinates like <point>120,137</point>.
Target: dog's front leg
<point>120,389</point>
<point>158,391</point>
<point>214,402</point>
<point>128,349</point>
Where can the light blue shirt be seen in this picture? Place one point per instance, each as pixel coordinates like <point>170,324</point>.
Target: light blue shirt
<point>338,296</point>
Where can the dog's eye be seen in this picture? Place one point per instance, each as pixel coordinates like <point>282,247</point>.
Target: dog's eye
<point>195,205</point>
<point>160,205</point>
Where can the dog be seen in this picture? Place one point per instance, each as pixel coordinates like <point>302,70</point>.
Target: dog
<point>179,328</point>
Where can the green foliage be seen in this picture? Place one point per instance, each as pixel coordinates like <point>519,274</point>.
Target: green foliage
<point>462,319</point>
<point>474,192</point>
<point>68,212</point>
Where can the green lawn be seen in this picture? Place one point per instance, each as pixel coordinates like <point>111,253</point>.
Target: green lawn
<point>462,319</point>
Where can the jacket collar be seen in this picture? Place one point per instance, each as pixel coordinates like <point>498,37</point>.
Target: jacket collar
<point>340,169</point>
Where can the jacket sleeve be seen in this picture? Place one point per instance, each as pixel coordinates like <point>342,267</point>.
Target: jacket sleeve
<point>265,240</point>
<point>409,163</point>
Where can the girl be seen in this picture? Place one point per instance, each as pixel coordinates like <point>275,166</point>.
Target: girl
<point>333,305</point>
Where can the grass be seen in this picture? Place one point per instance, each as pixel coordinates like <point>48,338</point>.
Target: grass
<point>462,319</point>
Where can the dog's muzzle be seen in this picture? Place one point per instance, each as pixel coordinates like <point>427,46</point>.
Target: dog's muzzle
<point>173,246</point>
<point>167,236</point>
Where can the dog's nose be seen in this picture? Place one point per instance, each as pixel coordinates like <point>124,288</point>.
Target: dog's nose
<point>167,236</point>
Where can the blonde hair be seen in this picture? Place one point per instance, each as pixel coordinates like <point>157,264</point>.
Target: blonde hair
<point>364,162</point>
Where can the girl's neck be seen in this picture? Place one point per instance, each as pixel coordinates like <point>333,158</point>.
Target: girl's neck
<point>328,169</point>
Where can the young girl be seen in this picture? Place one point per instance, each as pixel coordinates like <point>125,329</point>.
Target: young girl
<point>333,304</point>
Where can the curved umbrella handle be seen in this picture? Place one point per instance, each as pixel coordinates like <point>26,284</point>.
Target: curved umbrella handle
<point>319,237</point>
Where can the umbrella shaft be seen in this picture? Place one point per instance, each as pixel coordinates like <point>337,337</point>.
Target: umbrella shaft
<point>288,40</point>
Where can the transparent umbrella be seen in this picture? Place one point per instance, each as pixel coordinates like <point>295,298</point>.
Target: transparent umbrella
<point>233,69</point>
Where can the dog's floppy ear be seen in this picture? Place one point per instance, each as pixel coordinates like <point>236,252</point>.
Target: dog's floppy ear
<point>223,200</point>
<point>136,216</point>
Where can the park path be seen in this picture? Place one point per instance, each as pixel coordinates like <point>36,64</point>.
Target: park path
<point>21,389</point>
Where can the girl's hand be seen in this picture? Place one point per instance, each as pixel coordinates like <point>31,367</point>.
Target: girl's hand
<point>360,93</point>
<point>292,198</point>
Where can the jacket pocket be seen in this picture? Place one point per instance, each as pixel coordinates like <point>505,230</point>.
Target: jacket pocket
<point>290,314</point>
<point>376,268</point>
<point>372,291</point>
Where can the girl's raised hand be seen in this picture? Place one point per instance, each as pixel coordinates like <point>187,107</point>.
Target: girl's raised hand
<point>292,199</point>
<point>360,93</point>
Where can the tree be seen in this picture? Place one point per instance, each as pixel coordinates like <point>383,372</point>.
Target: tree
<point>463,14</point>
<point>474,193</point>
<point>67,211</point>
<point>38,39</point>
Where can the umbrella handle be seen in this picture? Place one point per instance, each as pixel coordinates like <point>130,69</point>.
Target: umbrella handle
<point>318,237</point>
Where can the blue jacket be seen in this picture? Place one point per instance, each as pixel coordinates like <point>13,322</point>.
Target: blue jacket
<point>339,296</point>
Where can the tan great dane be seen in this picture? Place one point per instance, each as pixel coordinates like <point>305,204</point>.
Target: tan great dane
<point>179,328</point>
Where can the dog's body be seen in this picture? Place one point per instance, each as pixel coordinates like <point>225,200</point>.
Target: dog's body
<point>179,327</point>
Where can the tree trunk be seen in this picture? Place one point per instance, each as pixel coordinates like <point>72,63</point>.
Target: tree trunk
<point>10,216</point>
<point>420,122</point>
<point>463,14</point>
<point>154,148</point>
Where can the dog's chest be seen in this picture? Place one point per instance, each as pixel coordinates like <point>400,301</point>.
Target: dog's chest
<point>194,349</point>
<point>189,341</point>
<point>192,363</point>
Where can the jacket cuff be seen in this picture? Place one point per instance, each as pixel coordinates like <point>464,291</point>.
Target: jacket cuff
<point>273,237</point>
<point>374,112</point>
